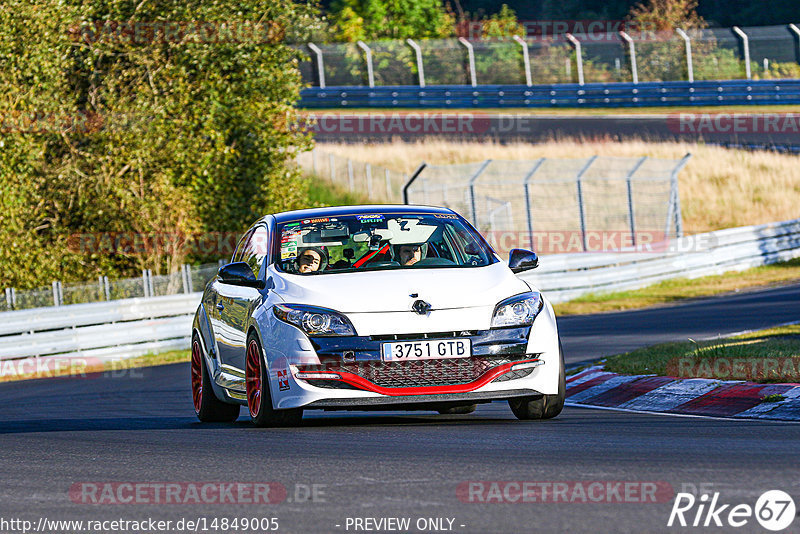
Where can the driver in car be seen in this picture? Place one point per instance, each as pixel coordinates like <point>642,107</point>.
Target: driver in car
<point>411,253</point>
<point>311,259</point>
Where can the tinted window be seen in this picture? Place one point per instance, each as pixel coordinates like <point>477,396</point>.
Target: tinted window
<point>372,241</point>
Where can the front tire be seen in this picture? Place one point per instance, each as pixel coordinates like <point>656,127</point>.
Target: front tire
<point>542,406</point>
<point>259,400</point>
<point>207,407</point>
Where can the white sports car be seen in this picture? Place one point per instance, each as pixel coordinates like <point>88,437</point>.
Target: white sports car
<point>372,307</point>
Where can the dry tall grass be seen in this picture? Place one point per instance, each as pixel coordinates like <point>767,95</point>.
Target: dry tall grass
<point>719,188</point>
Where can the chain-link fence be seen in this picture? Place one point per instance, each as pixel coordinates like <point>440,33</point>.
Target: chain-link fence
<point>542,203</point>
<point>189,279</point>
<point>766,52</point>
<point>379,184</point>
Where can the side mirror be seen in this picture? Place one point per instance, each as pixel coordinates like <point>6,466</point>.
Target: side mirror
<point>522,260</point>
<point>239,274</point>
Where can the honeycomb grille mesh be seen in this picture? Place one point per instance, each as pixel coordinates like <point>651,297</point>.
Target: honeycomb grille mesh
<point>420,373</point>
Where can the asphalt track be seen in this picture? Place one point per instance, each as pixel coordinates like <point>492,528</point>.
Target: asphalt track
<point>139,427</point>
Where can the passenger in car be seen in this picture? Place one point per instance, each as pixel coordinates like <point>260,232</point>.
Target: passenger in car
<point>311,259</point>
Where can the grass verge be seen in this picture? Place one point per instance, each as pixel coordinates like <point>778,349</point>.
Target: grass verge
<point>675,290</point>
<point>82,367</point>
<point>764,356</point>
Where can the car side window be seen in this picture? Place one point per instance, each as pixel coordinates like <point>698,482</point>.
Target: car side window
<point>256,249</point>
<point>240,246</point>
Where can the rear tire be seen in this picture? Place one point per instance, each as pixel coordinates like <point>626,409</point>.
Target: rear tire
<point>458,410</point>
<point>259,400</point>
<point>207,407</point>
<point>542,406</point>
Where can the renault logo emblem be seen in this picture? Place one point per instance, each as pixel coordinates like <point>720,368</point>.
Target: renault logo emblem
<point>421,307</point>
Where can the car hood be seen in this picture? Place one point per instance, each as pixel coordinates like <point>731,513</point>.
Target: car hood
<point>390,291</point>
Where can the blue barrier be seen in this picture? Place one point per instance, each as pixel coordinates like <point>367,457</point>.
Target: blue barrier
<point>645,94</point>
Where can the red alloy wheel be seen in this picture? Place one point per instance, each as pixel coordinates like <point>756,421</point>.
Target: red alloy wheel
<point>197,377</point>
<point>253,377</point>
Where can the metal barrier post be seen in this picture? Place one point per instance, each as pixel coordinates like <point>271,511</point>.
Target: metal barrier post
<point>9,298</point>
<point>184,279</point>
<point>418,54</point>
<point>350,177</point>
<point>409,181</point>
<point>472,181</point>
<point>526,187</point>
<point>320,66</point>
<point>632,52</point>
<point>674,178</point>
<point>471,56</point>
<point>796,31</point>
<point>746,45</point>
<point>100,288</point>
<point>526,59</point>
<point>145,285</point>
<point>107,288</point>
<point>581,209</point>
<point>368,55</point>
<point>578,55</point>
<point>688,42</point>
<point>55,293</point>
<point>368,172</point>
<point>631,217</point>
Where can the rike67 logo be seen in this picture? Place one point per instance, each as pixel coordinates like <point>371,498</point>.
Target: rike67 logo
<point>774,510</point>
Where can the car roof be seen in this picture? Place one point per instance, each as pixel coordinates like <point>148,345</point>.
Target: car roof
<point>334,211</point>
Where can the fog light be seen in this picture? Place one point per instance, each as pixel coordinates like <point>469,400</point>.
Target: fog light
<point>323,376</point>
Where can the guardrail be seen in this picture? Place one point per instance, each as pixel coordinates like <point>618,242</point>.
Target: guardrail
<point>130,327</point>
<point>572,95</point>
<point>118,329</point>
<point>568,276</point>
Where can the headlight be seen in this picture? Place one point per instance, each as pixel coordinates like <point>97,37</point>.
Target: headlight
<point>519,310</point>
<point>314,321</point>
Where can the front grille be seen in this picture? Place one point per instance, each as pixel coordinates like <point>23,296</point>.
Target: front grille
<point>420,373</point>
<point>513,375</point>
<point>431,335</point>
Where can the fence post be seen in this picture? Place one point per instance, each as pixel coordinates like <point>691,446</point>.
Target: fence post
<point>526,186</point>
<point>471,57</point>
<point>796,31</point>
<point>320,66</point>
<point>581,208</point>
<point>472,181</point>
<point>526,59</point>
<point>578,55</point>
<point>100,288</point>
<point>746,46</point>
<point>632,52</point>
<point>314,161</point>
<point>107,288</point>
<point>410,180</point>
<point>368,56</point>
<point>10,297</point>
<point>189,278</point>
<point>631,217</point>
<point>331,164</point>
<point>418,53</point>
<point>350,177</point>
<point>183,279</point>
<point>55,294</point>
<point>688,42</point>
<point>677,202</point>
<point>145,285</point>
<point>368,172</point>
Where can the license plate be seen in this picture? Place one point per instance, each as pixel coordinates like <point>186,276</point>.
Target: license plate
<point>402,351</point>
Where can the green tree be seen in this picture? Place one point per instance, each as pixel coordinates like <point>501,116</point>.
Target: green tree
<point>390,19</point>
<point>159,118</point>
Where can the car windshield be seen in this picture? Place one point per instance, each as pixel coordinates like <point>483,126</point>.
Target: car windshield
<point>375,241</point>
